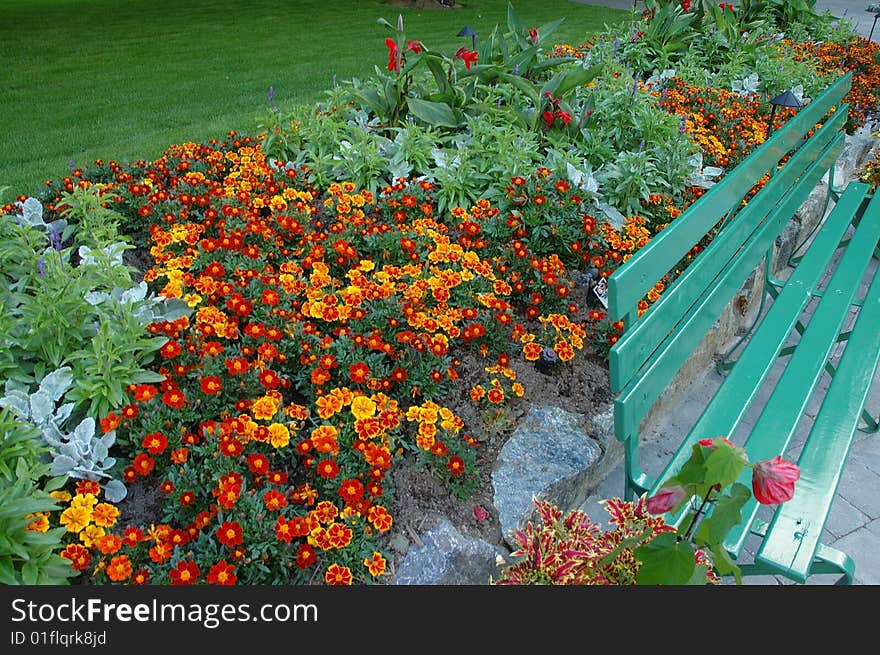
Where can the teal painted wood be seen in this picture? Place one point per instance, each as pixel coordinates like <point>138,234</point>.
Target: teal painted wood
<point>633,402</point>
<point>639,341</point>
<point>731,401</point>
<point>798,524</point>
<point>632,281</point>
<point>777,425</point>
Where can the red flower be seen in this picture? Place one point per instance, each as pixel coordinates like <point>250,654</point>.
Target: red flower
<point>211,385</point>
<point>455,465</point>
<point>358,373</point>
<point>533,35</point>
<point>393,55</point>
<point>564,116</point>
<point>413,46</point>
<point>79,557</point>
<point>549,117</point>
<point>258,464</point>
<point>467,56</point>
<point>351,490</point>
<point>236,365</point>
<point>773,480</point>
<point>480,514</point>
<point>305,556</point>
<point>222,573</point>
<point>155,442</point>
<point>143,464</point>
<point>186,573</point>
<point>709,442</point>
<point>229,533</point>
<point>665,499</point>
<point>170,350</point>
<point>328,469</point>
<point>173,398</point>
<point>269,379</point>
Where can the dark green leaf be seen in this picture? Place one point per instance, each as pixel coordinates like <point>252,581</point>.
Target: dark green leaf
<point>665,561</point>
<point>725,514</point>
<point>433,113</point>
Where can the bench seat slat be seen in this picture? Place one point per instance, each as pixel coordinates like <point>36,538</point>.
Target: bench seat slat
<point>637,343</point>
<point>633,402</point>
<point>730,403</point>
<point>777,425</point>
<point>797,525</point>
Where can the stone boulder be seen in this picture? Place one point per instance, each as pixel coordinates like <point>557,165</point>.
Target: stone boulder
<point>447,557</point>
<point>552,455</point>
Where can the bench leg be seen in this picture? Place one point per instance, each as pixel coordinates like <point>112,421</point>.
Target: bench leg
<point>831,560</point>
<point>637,482</point>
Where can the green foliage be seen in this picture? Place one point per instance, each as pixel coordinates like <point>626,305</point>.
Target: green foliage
<point>78,453</point>
<point>27,556</point>
<point>89,316</point>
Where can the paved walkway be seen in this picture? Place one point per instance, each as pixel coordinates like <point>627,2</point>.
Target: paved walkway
<point>852,10</point>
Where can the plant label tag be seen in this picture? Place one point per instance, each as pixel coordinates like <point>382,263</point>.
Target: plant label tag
<point>601,291</point>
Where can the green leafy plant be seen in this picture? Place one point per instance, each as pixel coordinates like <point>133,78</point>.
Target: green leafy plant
<point>708,485</point>
<point>572,549</point>
<point>28,555</point>
<point>78,454</point>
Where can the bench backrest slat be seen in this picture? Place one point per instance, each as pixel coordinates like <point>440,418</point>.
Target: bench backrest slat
<point>642,338</point>
<point>652,349</point>
<point>636,399</point>
<point>632,281</point>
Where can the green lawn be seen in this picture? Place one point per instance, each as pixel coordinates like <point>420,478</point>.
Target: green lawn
<point>118,79</point>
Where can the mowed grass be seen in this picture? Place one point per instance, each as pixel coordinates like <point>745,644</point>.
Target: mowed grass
<point>122,80</point>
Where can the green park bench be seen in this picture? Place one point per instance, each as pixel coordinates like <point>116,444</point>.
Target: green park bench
<point>654,346</point>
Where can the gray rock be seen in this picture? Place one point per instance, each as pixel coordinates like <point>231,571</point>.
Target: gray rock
<point>448,557</point>
<point>550,456</point>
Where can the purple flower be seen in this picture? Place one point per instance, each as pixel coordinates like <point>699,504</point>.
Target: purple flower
<point>41,266</point>
<point>272,95</point>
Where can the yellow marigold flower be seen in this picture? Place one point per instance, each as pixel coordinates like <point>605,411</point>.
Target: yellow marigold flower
<point>84,500</point>
<point>63,496</point>
<point>518,389</point>
<point>40,522</point>
<point>105,515</point>
<point>279,435</point>
<point>265,408</point>
<point>363,407</point>
<point>76,517</point>
<point>90,535</point>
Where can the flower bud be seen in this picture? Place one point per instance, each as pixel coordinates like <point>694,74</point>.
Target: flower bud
<point>773,480</point>
<point>665,499</point>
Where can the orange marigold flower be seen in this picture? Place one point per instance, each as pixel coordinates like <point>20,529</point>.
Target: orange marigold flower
<point>532,351</point>
<point>376,564</point>
<point>379,517</point>
<point>338,575</point>
<point>119,568</point>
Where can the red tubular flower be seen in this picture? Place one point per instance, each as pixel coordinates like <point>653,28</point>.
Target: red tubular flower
<point>467,56</point>
<point>549,117</point>
<point>393,55</point>
<point>665,499</point>
<point>773,480</point>
<point>533,35</point>
<point>413,46</point>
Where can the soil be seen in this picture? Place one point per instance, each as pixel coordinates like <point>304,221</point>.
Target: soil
<point>580,385</point>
